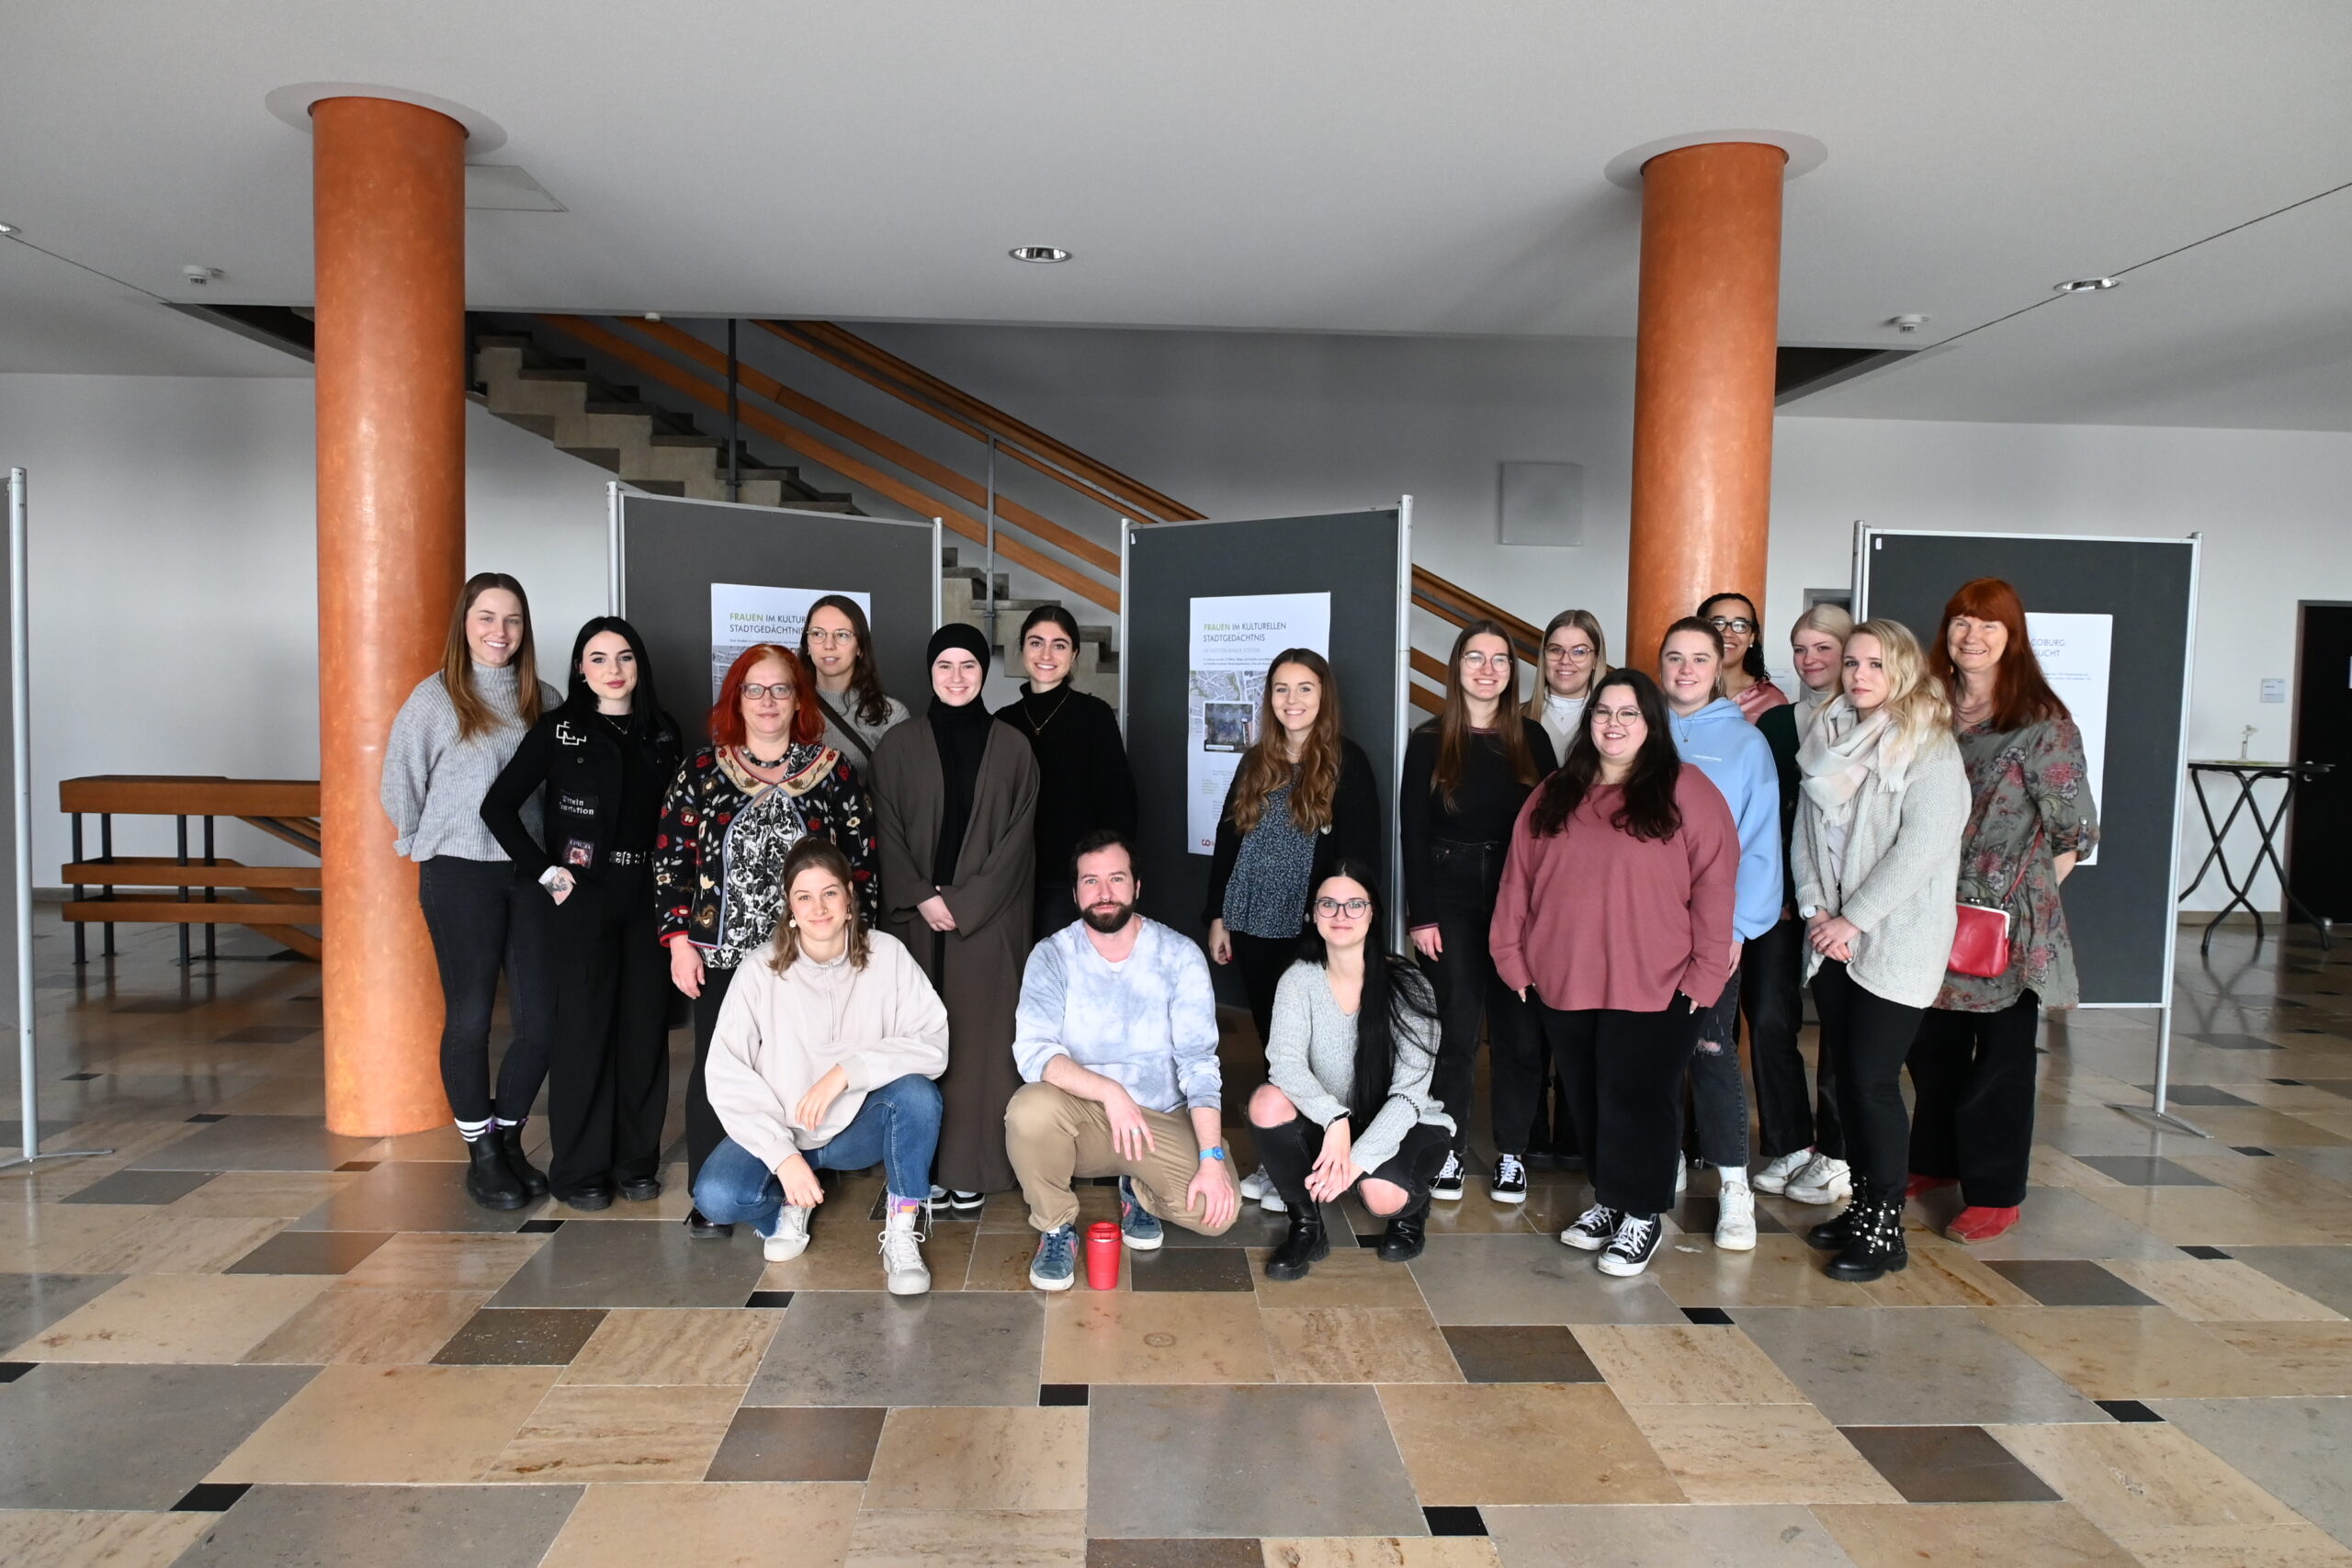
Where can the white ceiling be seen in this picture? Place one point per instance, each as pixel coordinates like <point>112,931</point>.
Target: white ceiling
<point>1327,165</point>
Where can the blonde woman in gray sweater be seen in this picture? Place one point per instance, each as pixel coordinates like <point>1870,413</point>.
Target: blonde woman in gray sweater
<point>449,742</point>
<point>1885,802</point>
<point>1350,1051</point>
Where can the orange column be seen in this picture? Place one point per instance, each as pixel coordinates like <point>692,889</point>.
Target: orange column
<point>388,194</point>
<point>1702,382</point>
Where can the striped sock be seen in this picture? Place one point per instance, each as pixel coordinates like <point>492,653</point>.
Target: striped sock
<point>469,1131</point>
<point>517,1122</point>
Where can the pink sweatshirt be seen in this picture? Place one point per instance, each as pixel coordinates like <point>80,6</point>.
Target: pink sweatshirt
<point>1595,917</point>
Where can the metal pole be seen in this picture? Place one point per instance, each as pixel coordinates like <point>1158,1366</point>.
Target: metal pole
<point>988,578</point>
<point>20,725</point>
<point>734,446</point>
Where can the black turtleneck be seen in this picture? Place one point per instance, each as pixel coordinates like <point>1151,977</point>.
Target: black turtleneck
<point>1084,783</point>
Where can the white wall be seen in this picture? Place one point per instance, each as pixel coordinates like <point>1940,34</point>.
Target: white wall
<point>174,590</point>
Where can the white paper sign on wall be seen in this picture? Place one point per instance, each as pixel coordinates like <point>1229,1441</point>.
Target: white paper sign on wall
<point>2075,653</point>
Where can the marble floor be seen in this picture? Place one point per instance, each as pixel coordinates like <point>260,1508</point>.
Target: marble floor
<point>238,1339</point>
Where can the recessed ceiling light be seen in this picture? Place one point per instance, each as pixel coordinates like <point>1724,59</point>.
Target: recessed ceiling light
<point>2084,284</point>
<point>1039,253</point>
<point>10,229</point>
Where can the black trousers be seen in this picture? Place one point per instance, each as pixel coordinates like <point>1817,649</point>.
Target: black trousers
<point>485,916</point>
<point>1289,1151</point>
<point>1772,980</point>
<point>1623,1075</point>
<point>609,1067</point>
<point>1262,960</point>
<point>1464,879</point>
<point>1974,1075</point>
<point>703,1129</point>
<point>1871,1037</point>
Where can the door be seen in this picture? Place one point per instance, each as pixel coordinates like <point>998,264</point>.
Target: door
<point>2319,856</point>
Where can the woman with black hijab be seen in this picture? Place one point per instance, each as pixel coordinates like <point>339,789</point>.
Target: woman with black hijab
<point>1084,783</point>
<point>955,798</point>
<point>605,758</point>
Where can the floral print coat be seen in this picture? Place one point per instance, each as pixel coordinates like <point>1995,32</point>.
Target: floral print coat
<point>718,853</point>
<point>2031,804</point>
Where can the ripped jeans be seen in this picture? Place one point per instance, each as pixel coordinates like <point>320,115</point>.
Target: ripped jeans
<point>1718,1089</point>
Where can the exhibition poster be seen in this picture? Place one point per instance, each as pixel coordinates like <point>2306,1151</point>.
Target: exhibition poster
<point>1235,635</point>
<point>744,615</point>
<point>2074,650</point>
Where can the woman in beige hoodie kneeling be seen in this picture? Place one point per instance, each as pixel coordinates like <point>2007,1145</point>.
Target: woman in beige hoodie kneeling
<point>823,1058</point>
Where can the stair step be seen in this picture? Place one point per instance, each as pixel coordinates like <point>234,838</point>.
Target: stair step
<point>553,373</point>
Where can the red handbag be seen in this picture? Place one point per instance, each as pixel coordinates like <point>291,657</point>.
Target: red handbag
<point>1980,947</point>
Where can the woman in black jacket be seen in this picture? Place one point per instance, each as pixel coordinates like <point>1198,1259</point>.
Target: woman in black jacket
<point>1468,772</point>
<point>1084,783</point>
<point>1304,798</point>
<point>605,758</point>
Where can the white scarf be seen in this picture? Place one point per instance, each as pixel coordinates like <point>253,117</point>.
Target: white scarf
<point>1809,705</point>
<point>1842,750</point>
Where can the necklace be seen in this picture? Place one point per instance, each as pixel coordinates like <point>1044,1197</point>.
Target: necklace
<point>760,764</point>
<point>1037,727</point>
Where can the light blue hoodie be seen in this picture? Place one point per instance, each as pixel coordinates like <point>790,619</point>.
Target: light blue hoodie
<point>1737,760</point>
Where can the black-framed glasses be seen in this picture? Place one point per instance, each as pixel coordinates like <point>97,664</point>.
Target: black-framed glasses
<point>780,692</point>
<point>1354,908</point>
<point>1739,623</point>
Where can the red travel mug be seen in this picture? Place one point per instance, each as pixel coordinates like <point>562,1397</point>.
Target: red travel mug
<point>1102,1256</point>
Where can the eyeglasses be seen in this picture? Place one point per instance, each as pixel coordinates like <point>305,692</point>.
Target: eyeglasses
<point>1483,661</point>
<point>1568,655</point>
<point>1741,625</point>
<point>1354,908</point>
<point>780,692</point>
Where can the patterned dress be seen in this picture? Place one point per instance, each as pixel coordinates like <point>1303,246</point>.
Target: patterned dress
<point>2032,803</point>
<point>719,856</point>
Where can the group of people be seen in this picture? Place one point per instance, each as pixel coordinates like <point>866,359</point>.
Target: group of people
<point>914,942</point>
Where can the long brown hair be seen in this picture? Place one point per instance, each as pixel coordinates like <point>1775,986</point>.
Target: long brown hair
<point>867,701</point>
<point>1265,767</point>
<point>474,716</point>
<point>816,855</point>
<point>1454,730</point>
<point>1646,809</point>
<point>1588,623</point>
<point>2022,695</point>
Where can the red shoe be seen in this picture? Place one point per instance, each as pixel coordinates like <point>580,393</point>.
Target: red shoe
<point>1919,1184</point>
<point>1976,1224</point>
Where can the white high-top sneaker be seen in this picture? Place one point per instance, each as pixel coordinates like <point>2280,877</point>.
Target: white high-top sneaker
<point>1735,1215</point>
<point>791,1238</point>
<point>902,1265</point>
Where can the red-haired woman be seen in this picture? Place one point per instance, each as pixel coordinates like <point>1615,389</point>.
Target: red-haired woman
<point>448,743</point>
<point>2032,817</point>
<point>766,782</point>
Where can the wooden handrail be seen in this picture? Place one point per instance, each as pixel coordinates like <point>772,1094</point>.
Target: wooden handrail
<point>842,463</point>
<point>1453,604</point>
<point>762,385</point>
<point>913,383</point>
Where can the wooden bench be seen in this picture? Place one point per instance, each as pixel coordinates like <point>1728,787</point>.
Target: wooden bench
<point>194,887</point>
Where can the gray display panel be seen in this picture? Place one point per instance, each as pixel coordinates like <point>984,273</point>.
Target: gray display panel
<point>2119,908</point>
<point>671,552</point>
<point>1357,559</point>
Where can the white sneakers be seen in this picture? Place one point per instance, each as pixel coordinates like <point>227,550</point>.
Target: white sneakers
<point>1823,1180</point>
<point>902,1265</point>
<point>1258,1189</point>
<point>1736,1216</point>
<point>791,1238</point>
<point>1775,1177</point>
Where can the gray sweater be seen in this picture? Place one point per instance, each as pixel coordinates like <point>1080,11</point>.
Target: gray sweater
<point>1311,1056</point>
<point>1902,874</point>
<point>845,704</point>
<point>434,781</point>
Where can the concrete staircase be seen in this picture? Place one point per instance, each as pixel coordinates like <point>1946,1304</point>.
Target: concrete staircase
<point>661,452</point>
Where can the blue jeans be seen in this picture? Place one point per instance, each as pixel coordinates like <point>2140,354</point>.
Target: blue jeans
<point>898,1125</point>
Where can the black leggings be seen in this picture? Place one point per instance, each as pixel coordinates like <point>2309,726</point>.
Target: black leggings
<point>608,1079</point>
<point>1290,1150</point>
<point>1871,1037</point>
<point>485,916</point>
<point>1623,1075</point>
<point>1263,961</point>
<point>1973,1076</point>
<point>704,1129</point>
<point>1771,989</point>
<point>1463,880</point>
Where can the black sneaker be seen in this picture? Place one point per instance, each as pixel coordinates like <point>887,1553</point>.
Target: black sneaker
<point>1593,1229</point>
<point>1629,1252</point>
<point>966,1202</point>
<point>1509,1184</point>
<point>1448,1185</point>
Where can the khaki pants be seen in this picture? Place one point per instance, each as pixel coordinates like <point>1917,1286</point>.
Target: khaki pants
<point>1053,1138</point>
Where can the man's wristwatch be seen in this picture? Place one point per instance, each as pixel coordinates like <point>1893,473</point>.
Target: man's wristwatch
<point>1215,1152</point>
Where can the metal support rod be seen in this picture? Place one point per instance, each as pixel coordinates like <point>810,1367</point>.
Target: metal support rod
<point>211,894</point>
<point>105,857</point>
<point>21,754</point>
<point>184,891</point>
<point>734,443</point>
<point>81,928</point>
<point>988,576</point>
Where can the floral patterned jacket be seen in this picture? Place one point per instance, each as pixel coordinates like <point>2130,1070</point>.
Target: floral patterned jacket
<point>718,853</point>
<point>2032,802</point>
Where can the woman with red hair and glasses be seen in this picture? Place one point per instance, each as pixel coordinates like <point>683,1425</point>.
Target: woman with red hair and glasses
<point>2030,819</point>
<point>766,782</point>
